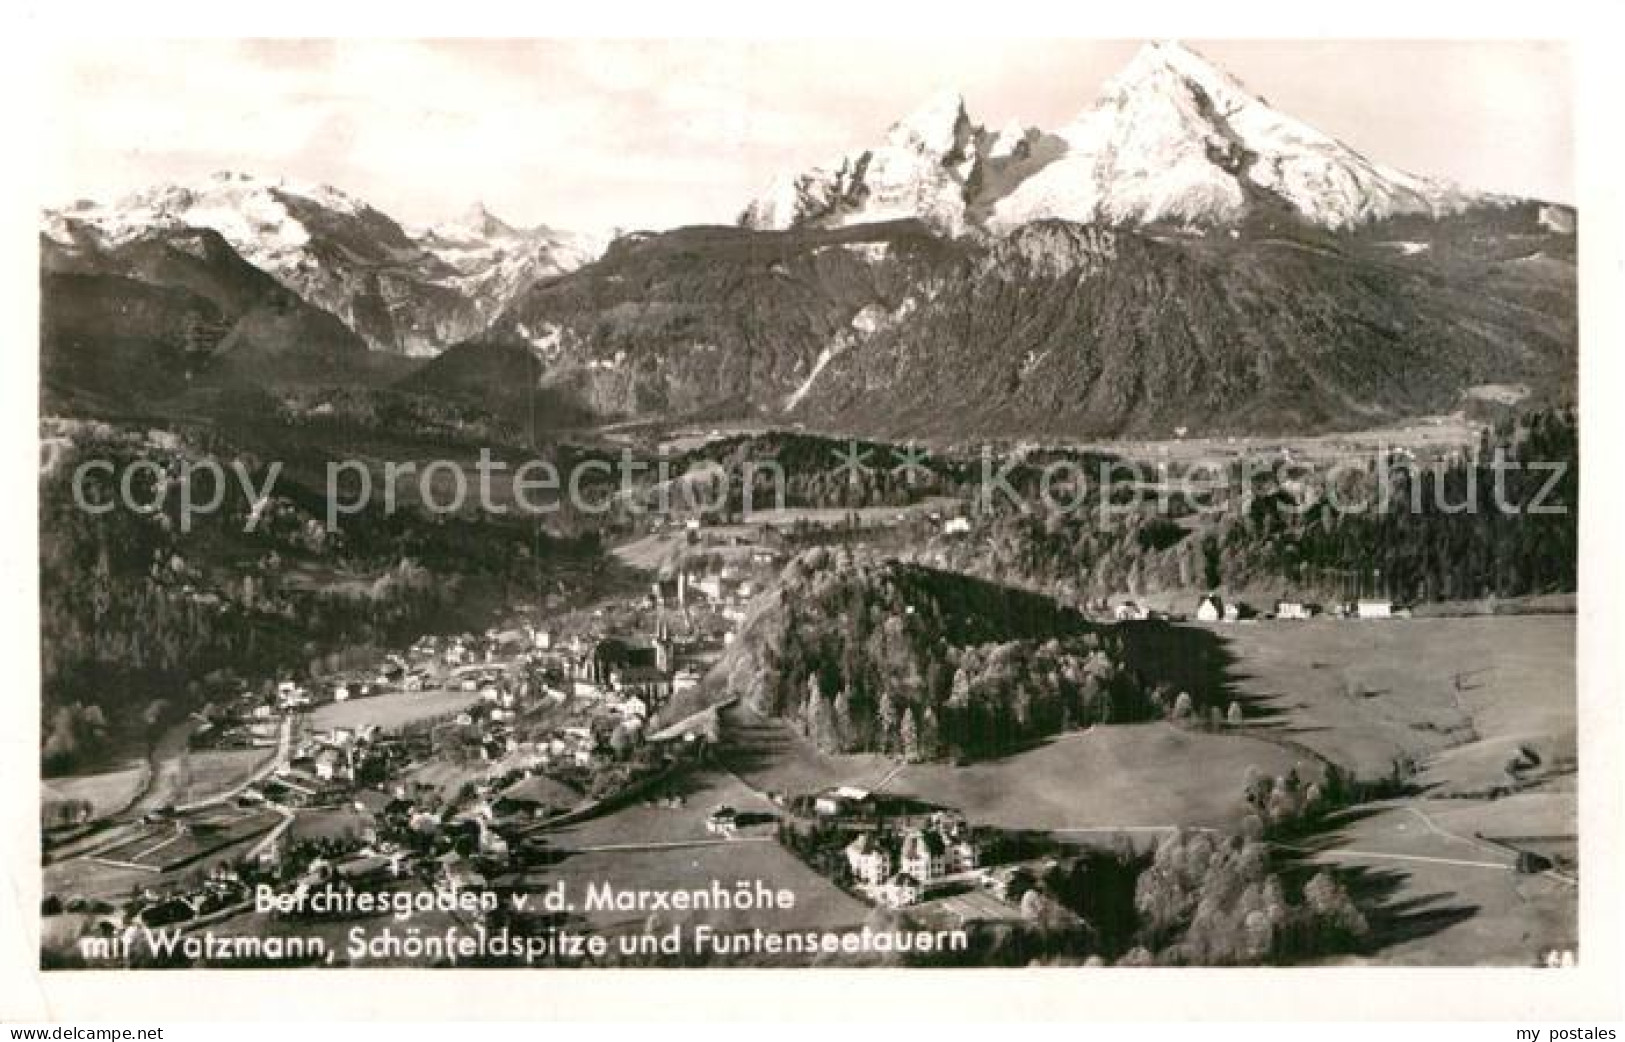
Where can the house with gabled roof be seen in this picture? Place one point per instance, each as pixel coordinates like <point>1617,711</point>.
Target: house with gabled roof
<point>868,860</point>
<point>924,856</point>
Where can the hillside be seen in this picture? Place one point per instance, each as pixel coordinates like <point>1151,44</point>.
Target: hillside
<point>896,658</point>
<point>141,319</point>
<point>401,291</point>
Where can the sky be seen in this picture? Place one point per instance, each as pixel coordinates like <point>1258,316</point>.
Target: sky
<point>595,135</point>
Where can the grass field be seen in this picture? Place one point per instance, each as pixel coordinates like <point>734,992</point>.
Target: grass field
<point>446,776</point>
<point>107,792</point>
<point>867,516</point>
<point>1462,696</point>
<point>656,552</point>
<point>1459,694</point>
<point>771,757</point>
<point>1438,897</point>
<point>82,877</point>
<point>206,774</point>
<point>662,551</point>
<point>656,824</point>
<point>328,823</point>
<point>666,848</point>
<point>163,847</point>
<point>1124,775</point>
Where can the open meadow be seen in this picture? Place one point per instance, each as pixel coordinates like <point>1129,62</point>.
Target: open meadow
<point>1129,776</point>
<point>771,757</point>
<point>1459,695</point>
<point>1438,895</point>
<point>393,710</point>
<point>107,792</point>
<point>209,774</point>
<point>1116,776</point>
<point>1485,709</point>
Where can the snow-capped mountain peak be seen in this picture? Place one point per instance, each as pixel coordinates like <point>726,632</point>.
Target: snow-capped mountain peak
<point>920,170</point>
<point>479,222</point>
<point>938,127</point>
<point>1170,63</point>
<point>1172,137</point>
<point>411,292</point>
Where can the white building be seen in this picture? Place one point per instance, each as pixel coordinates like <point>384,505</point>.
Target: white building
<point>868,860</point>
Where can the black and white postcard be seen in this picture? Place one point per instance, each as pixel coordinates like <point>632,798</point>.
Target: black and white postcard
<point>576,505</point>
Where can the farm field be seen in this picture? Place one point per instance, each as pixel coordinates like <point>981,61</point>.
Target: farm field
<point>92,879</point>
<point>867,516</point>
<point>446,776</point>
<point>667,848</point>
<point>84,876</point>
<point>1427,436</point>
<point>1122,775</point>
<point>328,823</point>
<point>163,847</point>
<point>656,552</point>
<point>661,551</point>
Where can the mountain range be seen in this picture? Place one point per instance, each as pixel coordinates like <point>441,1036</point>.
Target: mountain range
<point>1171,139</point>
<point>1180,255</point>
<point>411,292</point>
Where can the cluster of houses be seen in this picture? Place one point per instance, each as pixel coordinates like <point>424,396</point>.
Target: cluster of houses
<point>612,677</point>
<point>898,856</point>
<point>454,845</point>
<point>325,765</point>
<point>222,888</point>
<point>1214,608</point>
<point>725,592</point>
<point>899,868</point>
<point>243,723</point>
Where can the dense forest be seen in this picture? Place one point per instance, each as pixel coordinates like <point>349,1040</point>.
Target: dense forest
<point>1443,532</point>
<point>896,658</point>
